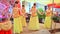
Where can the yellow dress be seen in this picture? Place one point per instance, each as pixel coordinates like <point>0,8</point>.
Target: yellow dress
<point>48,20</point>
<point>17,21</point>
<point>33,24</point>
<point>23,19</point>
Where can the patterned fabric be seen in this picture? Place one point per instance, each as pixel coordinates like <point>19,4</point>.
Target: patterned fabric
<point>17,25</point>
<point>16,12</point>
<point>47,22</point>
<point>23,21</point>
<point>33,24</point>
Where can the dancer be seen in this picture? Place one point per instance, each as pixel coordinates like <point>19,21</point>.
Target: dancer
<point>34,23</point>
<point>17,19</point>
<point>23,18</point>
<point>48,20</point>
<point>5,25</point>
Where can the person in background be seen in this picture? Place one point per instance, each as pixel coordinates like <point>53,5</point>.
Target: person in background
<point>59,17</point>
<point>23,19</point>
<point>48,20</point>
<point>41,15</point>
<point>59,14</point>
<point>17,19</point>
<point>33,23</point>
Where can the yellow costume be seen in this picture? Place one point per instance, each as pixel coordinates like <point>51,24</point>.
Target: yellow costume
<point>23,19</point>
<point>17,21</point>
<point>33,24</point>
<point>48,20</point>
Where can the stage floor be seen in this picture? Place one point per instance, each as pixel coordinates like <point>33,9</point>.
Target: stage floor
<point>26,31</point>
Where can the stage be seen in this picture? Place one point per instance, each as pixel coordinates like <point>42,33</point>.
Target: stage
<point>55,29</point>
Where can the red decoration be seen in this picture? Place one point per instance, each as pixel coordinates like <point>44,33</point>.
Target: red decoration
<point>51,4</point>
<point>55,5</point>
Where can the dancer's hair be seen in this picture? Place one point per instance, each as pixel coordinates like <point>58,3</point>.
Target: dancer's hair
<point>34,4</point>
<point>23,6</point>
<point>16,2</point>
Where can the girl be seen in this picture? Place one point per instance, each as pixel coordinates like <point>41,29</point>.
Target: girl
<point>47,23</point>
<point>34,24</point>
<point>5,26</point>
<point>23,16</point>
<point>17,19</point>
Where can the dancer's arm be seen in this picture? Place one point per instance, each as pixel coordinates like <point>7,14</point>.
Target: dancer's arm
<point>41,13</point>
